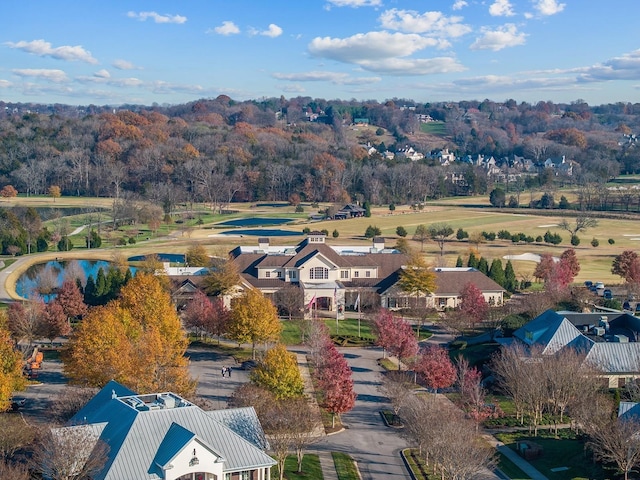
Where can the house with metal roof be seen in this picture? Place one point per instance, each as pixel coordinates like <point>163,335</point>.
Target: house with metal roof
<point>162,436</point>
<point>609,344</point>
<point>332,277</point>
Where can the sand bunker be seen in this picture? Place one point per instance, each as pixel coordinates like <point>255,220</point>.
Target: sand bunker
<point>530,257</point>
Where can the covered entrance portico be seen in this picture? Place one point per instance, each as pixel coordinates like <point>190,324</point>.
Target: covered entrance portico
<point>327,297</point>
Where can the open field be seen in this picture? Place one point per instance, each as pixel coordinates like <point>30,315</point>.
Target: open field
<point>176,238</point>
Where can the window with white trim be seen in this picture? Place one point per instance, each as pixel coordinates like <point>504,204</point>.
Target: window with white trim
<point>319,273</point>
<point>292,274</point>
<point>279,274</point>
<point>267,274</point>
<point>367,274</point>
<point>356,274</point>
<point>344,273</point>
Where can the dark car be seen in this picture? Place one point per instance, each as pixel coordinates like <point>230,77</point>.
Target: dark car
<point>248,365</point>
<point>588,283</point>
<point>607,294</point>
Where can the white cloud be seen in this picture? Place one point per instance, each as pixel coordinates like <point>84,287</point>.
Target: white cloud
<point>625,67</point>
<point>548,7</point>
<point>336,78</point>
<point>124,65</point>
<point>355,3</point>
<point>44,49</point>
<point>427,23</point>
<point>505,36</point>
<point>408,66</point>
<point>52,75</point>
<point>273,31</point>
<point>157,18</point>
<point>459,5</point>
<point>5,84</point>
<point>227,28</point>
<point>102,74</point>
<point>373,46</point>
<point>501,8</point>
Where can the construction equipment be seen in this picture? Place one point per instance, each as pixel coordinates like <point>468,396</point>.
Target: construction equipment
<point>34,363</point>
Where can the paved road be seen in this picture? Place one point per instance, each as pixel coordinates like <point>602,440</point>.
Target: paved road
<point>374,446</point>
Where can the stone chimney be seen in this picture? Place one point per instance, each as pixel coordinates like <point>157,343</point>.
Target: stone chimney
<point>263,243</point>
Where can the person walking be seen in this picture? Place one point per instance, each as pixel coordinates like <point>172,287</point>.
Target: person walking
<point>229,371</point>
<point>224,369</point>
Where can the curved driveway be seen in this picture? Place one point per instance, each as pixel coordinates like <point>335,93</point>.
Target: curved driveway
<point>375,447</point>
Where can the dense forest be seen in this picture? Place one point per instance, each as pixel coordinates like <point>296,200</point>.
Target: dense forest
<point>302,149</point>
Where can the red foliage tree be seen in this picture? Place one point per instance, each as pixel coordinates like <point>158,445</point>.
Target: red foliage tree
<point>436,368</point>
<point>197,311</point>
<point>395,335</point>
<point>544,267</point>
<point>217,323</point>
<point>334,379</point>
<point>570,259</point>
<point>55,321</point>
<point>71,300</point>
<point>623,262</point>
<point>473,306</point>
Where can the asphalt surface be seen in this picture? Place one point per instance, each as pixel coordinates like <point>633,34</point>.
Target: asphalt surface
<point>374,446</point>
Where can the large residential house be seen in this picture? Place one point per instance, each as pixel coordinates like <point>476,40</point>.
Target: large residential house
<point>410,153</point>
<point>333,277</point>
<point>162,436</point>
<point>609,342</point>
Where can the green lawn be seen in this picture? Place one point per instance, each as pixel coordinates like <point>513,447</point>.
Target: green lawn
<point>477,355</point>
<point>434,128</point>
<point>565,451</point>
<point>310,468</point>
<point>510,469</point>
<point>345,466</point>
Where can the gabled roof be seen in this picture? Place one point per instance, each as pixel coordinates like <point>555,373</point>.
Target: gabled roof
<point>139,437</point>
<point>552,331</point>
<point>451,281</point>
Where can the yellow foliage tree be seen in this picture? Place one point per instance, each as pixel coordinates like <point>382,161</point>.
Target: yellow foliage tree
<point>253,319</point>
<point>136,340</point>
<point>417,278</point>
<point>197,256</point>
<point>278,372</point>
<point>11,377</point>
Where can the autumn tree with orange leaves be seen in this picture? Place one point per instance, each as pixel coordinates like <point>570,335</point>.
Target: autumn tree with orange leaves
<point>136,340</point>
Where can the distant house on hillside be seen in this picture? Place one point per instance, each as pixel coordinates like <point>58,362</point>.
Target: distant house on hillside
<point>410,153</point>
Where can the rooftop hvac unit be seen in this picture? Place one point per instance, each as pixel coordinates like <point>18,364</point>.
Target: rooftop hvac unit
<point>600,331</point>
<point>621,339</point>
<point>167,401</point>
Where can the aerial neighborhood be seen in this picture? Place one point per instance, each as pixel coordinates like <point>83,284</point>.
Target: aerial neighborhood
<point>249,290</point>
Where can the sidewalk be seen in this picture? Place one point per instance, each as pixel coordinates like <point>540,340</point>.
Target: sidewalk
<point>328,467</point>
<point>525,466</point>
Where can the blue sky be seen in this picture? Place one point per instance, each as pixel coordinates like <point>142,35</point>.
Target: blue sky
<point>168,52</point>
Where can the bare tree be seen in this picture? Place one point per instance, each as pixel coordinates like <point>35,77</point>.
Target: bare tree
<point>69,402</point>
<point>618,442</point>
<point>14,470</point>
<point>289,298</point>
<point>582,223</point>
<point>306,427</point>
<point>398,388</point>
<point>16,433</point>
<point>70,453</point>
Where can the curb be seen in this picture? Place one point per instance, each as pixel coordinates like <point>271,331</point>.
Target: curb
<point>406,464</point>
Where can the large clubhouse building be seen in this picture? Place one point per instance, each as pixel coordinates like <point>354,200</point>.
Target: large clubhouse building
<point>333,278</point>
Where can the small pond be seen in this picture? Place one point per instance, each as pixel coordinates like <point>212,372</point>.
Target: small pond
<point>52,274</point>
<point>164,257</point>
<point>261,232</point>
<point>254,222</point>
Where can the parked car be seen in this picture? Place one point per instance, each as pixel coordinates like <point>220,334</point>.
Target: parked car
<point>248,365</point>
<point>626,305</point>
<point>607,294</point>
<point>588,284</point>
